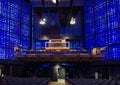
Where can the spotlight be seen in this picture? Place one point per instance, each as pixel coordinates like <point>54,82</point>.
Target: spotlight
<point>42,21</point>
<point>54,1</point>
<point>72,21</point>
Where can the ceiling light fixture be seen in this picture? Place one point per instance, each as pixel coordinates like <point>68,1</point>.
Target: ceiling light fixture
<point>42,21</point>
<point>72,21</point>
<point>54,1</point>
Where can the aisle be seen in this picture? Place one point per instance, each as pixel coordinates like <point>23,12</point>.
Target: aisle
<point>60,82</point>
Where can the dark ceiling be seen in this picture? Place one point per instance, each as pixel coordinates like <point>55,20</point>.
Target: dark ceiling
<point>60,3</point>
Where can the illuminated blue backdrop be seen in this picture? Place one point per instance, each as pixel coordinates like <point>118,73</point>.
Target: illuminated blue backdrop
<point>102,26</point>
<point>14,26</point>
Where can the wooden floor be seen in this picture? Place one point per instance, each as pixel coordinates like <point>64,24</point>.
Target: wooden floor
<point>60,82</point>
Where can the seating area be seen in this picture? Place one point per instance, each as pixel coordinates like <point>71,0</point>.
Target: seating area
<point>24,81</point>
<point>45,81</point>
<point>93,82</point>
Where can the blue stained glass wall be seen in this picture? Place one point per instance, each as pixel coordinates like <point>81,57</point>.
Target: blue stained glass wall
<point>102,26</point>
<point>14,26</point>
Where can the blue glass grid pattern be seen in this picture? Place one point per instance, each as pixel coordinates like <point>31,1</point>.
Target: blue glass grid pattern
<point>113,22</point>
<point>100,12</point>
<point>2,51</point>
<point>101,25</point>
<point>112,7</point>
<point>14,26</point>
<point>99,2</point>
<point>4,23</point>
<point>114,36</point>
<point>15,14</point>
<point>5,1</point>
<point>25,30</point>
<point>106,26</point>
<point>4,37</point>
<point>16,4</point>
<point>101,39</point>
<point>114,52</point>
<point>14,40</point>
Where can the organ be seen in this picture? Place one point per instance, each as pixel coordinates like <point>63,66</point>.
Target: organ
<point>57,45</point>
